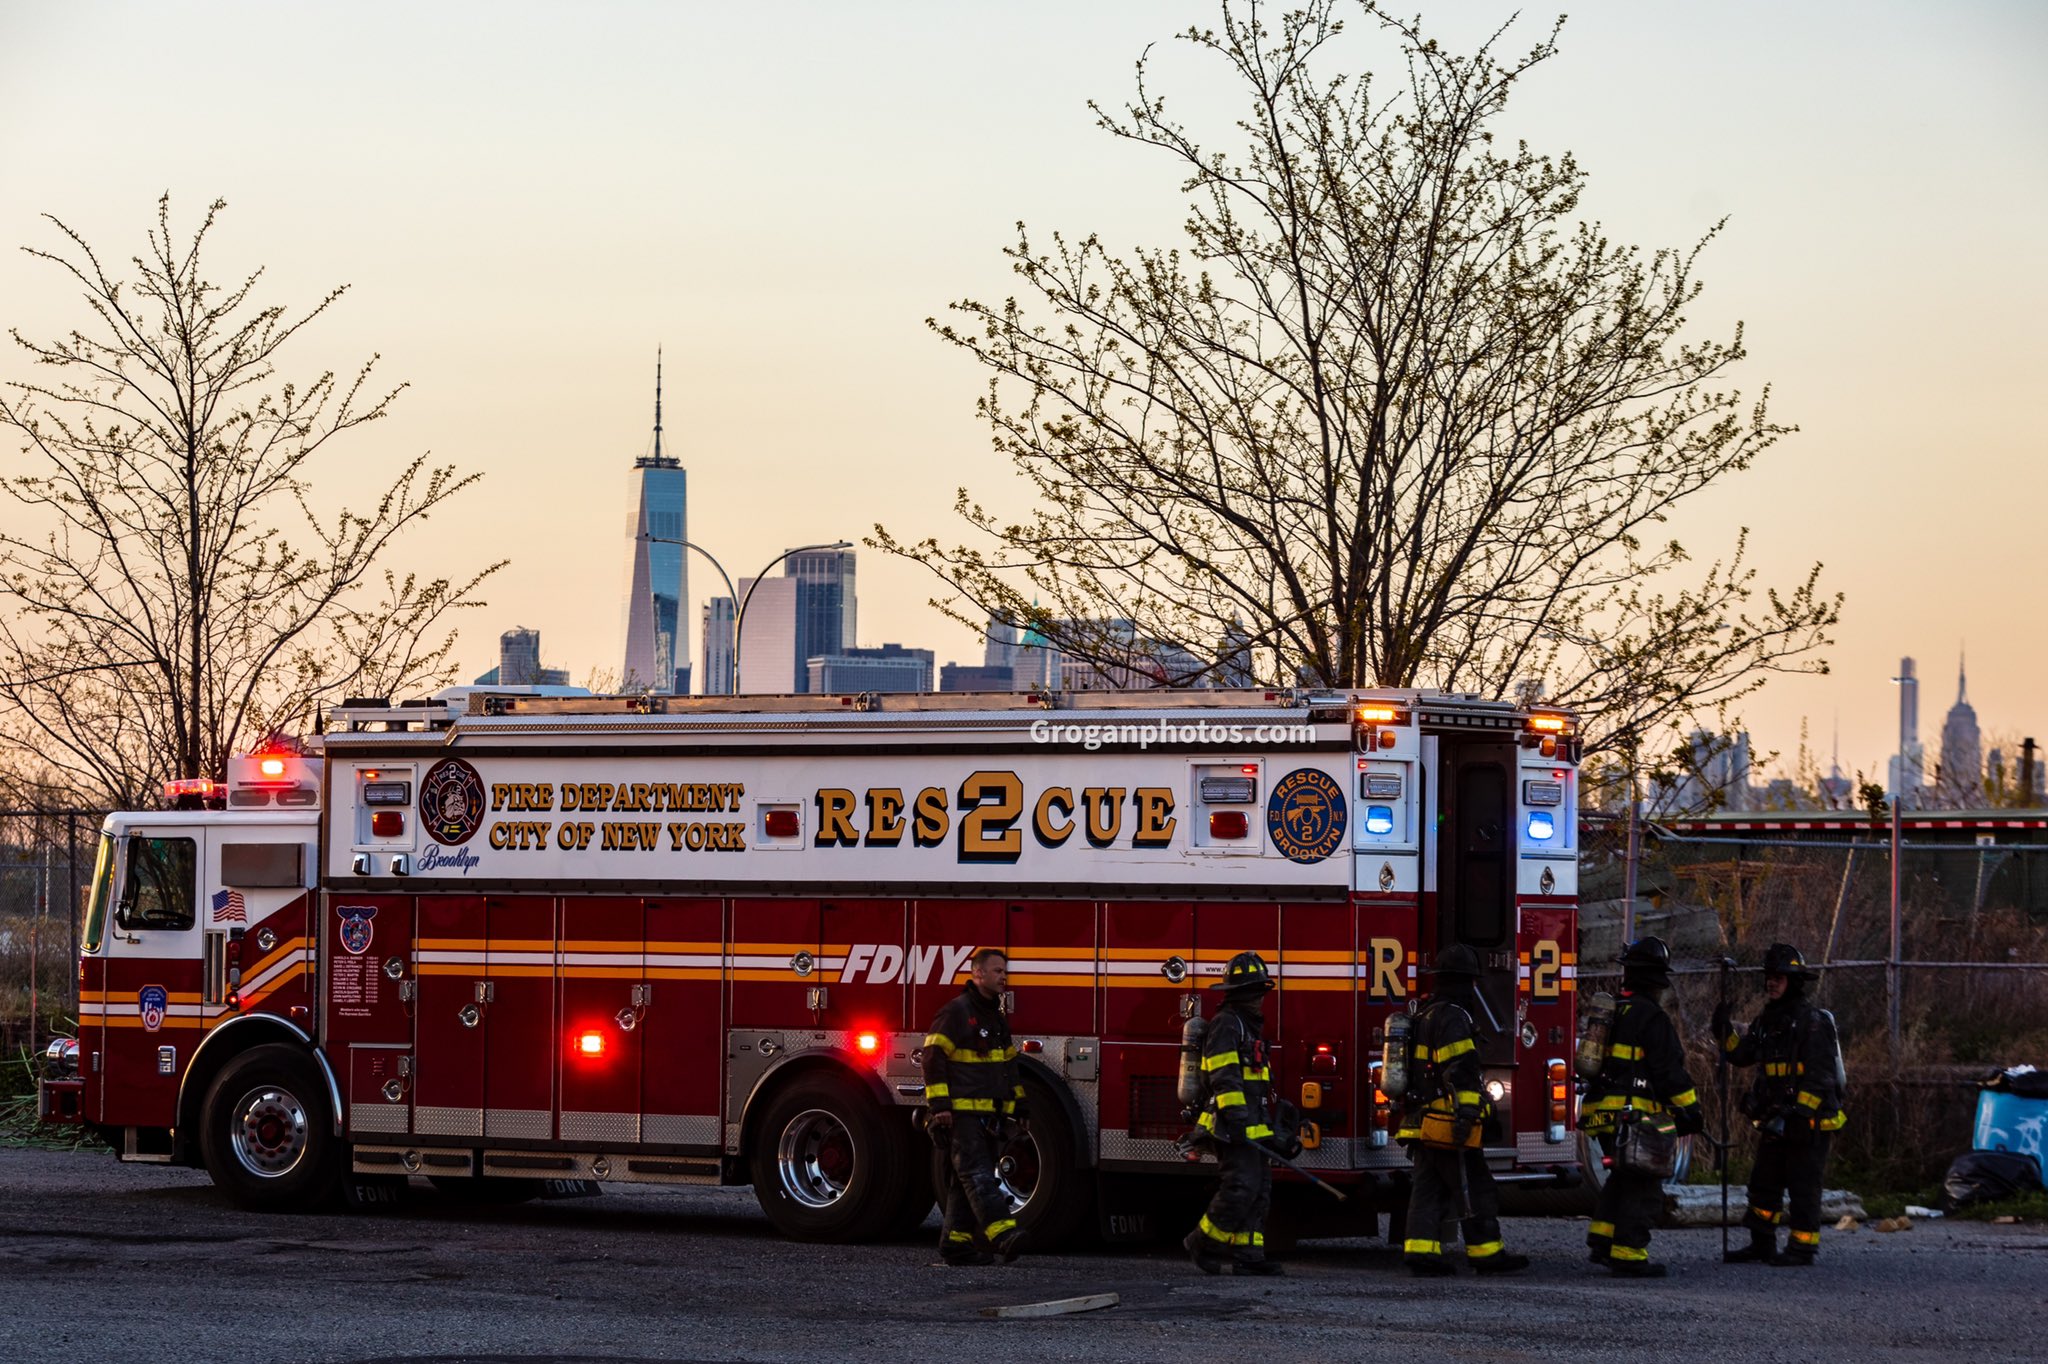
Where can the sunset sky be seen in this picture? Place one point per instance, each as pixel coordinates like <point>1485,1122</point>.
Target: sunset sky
<point>526,199</point>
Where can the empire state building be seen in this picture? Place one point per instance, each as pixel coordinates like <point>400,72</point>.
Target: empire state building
<point>657,576</point>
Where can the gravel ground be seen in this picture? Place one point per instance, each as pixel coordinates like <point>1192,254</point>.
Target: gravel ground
<point>110,1261</point>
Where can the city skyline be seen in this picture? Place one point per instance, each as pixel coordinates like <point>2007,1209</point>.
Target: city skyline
<point>1879,166</point>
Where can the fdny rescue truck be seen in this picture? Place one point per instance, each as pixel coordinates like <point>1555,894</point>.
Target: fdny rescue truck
<point>495,939</point>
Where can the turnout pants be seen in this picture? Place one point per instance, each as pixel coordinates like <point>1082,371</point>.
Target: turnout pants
<point>1790,1164</point>
<point>1436,1205</point>
<point>1623,1214</point>
<point>973,1198</point>
<point>1236,1217</point>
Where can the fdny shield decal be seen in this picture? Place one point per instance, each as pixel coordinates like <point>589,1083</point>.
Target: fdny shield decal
<point>1305,815</point>
<point>356,929</point>
<point>451,801</point>
<point>153,1002</point>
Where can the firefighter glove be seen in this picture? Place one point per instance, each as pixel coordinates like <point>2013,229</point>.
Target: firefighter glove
<point>1687,1120</point>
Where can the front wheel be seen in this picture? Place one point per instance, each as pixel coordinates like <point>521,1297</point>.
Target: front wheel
<point>267,1135</point>
<point>824,1165</point>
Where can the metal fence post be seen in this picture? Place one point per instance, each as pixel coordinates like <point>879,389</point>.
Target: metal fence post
<point>71,882</point>
<point>1891,970</point>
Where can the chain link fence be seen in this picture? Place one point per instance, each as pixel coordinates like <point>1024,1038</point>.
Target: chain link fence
<point>1928,999</point>
<point>46,860</point>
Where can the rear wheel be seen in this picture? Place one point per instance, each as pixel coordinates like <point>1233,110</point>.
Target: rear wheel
<point>267,1136</point>
<point>824,1163</point>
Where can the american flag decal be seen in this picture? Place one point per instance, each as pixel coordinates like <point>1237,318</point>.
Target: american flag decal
<point>228,907</point>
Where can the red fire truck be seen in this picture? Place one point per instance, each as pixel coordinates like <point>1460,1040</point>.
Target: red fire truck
<point>494,939</point>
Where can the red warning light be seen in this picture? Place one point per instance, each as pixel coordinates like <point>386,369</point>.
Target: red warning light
<point>590,1044</point>
<point>868,1042</point>
<point>271,767</point>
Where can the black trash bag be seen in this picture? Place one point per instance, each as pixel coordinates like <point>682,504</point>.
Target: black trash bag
<point>1989,1177</point>
<point>2026,1082</point>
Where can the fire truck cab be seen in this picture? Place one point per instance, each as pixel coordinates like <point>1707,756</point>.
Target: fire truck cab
<point>494,939</point>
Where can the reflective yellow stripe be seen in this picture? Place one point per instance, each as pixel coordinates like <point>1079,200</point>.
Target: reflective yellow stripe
<point>1258,1238</point>
<point>1207,1122</point>
<point>998,1227</point>
<point>1468,1098</point>
<point>1228,1238</point>
<point>1765,1214</point>
<point>1629,1253</point>
<point>1808,1100</point>
<point>940,1041</point>
<point>1622,1051</point>
<point>1730,1042</point>
<point>1778,1068</point>
<point>1230,1098</point>
<point>1219,1060</point>
<point>1258,1073</point>
<point>955,1237</point>
<point>1422,1247</point>
<point>1257,1130</point>
<point>1601,1229</point>
<point>1482,1250</point>
<point>1457,1048</point>
<point>936,1089</point>
<point>975,1105</point>
<point>1685,1098</point>
<point>1806,1238</point>
<point>1833,1124</point>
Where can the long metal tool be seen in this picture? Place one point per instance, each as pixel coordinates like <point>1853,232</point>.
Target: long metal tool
<point>1273,1155</point>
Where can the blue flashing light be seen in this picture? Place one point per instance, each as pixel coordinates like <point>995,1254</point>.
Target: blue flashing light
<point>1541,826</point>
<point>1379,819</point>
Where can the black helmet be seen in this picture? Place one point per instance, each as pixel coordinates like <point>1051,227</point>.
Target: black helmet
<point>1246,971</point>
<point>1456,962</point>
<point>1783,959</point>
<point>1651,954</point>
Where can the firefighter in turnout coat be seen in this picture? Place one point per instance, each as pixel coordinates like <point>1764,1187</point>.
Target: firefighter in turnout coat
<point>975,1104</point>
<point>1237,1082</point>
<point>1643,1075</point>
<point>1795,1104</point>
<point>1443,1112</point>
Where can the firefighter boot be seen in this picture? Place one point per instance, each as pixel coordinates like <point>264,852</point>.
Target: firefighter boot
<point>1429,1266</point>
<point>1761,1250</point>
<point>1202,1251</point>
<point>1793,1256</point>
<point>1009,1245</point>
<point>1636,1269</point>
<point>1500,1262</point>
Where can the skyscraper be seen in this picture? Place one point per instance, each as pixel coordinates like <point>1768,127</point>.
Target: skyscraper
<point>718,655</point>
<point>657,654</point>
<point>825,606</point>
<point>519,657</point>
<point>1962,752</point>
<point>767,643</point>
<point>1906,768</point>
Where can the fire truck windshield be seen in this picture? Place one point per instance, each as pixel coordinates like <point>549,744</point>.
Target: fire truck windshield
<point>102,892</point>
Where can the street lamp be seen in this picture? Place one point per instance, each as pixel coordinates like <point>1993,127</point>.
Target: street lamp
<point>739,613</point>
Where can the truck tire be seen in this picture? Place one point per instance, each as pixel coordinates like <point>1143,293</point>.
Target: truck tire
<point>266,1134</point>
<point>1051,1197</point>
<point>824,1165</point>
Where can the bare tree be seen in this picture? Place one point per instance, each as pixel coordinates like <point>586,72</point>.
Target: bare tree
<point>1393,416</point>
<point>159,617</point>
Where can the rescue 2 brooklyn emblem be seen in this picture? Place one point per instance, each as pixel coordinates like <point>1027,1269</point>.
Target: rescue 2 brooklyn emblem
<point>1305,815</point>
<point>451,801</point>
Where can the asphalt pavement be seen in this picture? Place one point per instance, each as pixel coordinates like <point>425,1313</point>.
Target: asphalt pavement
<point>144,1263</point>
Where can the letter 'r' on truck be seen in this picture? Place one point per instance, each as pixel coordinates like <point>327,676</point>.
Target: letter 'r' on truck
<point>495,938</point>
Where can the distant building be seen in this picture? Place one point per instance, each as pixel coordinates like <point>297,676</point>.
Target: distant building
<point>1907,768</point>
<point>1961,782</point>
<point>715,625</point>
<point>1713,774</point>
<point>1000,650</point>
<point>519,657</point>
<point>767,637</point>
<point>970,677</point>
<point>888,668</point>
<point>826,606</point>
<point>1234,658</point>
<point>657,654</point>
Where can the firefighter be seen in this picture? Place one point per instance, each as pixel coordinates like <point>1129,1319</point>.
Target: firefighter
<point>1443,1112</point>
<point>1795,1104</point>
<point>975,1105</point>
<point>1234,1120</point>
<point>1643,1074</point>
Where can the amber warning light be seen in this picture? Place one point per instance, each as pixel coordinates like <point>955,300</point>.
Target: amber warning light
<point>1547,724</point>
